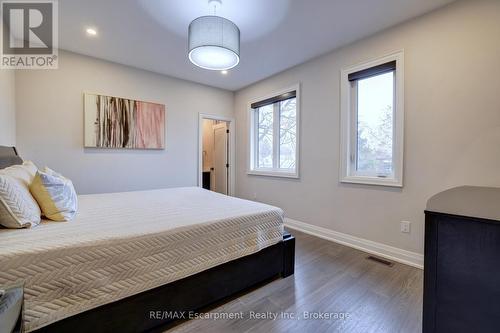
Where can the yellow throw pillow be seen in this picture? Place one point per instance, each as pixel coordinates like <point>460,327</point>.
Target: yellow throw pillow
<point>55,194</point>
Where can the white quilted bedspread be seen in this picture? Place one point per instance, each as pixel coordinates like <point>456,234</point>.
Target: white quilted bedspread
<point>121,244</point>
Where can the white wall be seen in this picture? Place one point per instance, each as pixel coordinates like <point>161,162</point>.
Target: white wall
<point>7,108</point>
<point>452,131</point>
<point>50,124</point>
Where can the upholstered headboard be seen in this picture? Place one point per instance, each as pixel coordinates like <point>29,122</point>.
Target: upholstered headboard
<point>8,157</point>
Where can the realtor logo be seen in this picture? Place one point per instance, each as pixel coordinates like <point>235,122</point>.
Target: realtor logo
<point>29,35</point>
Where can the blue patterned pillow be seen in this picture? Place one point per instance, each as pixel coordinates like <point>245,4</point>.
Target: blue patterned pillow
<point>55,194</point>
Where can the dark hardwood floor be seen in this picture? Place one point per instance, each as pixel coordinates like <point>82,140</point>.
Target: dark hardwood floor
<point>330,280</point>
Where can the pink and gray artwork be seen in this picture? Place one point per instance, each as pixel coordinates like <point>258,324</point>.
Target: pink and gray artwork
<point>113,122</point>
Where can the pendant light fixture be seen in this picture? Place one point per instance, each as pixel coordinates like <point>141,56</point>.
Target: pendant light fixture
<point>214,41</point>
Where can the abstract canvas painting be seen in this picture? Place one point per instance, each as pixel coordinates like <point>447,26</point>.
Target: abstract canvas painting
<point>114,122</point>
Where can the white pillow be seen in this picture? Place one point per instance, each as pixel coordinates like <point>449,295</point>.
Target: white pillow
<point>18,208</point>
<point>24,172</point>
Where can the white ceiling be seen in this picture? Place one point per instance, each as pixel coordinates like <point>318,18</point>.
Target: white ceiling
<point>275,34</point>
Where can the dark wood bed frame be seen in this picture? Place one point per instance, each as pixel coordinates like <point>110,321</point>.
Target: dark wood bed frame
<point>154,309</point>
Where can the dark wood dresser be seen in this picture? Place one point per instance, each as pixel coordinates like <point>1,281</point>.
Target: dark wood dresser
<point>462,261</point>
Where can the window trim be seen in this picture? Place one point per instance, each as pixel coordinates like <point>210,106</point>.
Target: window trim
<point>347,123</point>
<point>252,151</point>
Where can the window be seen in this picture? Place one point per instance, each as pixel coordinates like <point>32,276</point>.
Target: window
<point>274,135</point>
<point>372,119</point>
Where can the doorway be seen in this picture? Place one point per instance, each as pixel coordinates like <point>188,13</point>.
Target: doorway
<point>215,155</point>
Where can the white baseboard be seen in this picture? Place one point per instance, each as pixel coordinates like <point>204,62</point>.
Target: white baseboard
<point>393,253</point>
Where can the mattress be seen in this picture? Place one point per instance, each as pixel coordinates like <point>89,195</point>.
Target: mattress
<point>121,244</point>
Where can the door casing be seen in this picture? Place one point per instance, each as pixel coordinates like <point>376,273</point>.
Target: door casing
<point>231,141</point>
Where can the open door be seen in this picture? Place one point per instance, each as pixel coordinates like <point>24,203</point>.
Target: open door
<point>221,154</point>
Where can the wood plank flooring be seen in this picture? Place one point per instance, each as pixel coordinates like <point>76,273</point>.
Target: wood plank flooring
<point>330,280</point>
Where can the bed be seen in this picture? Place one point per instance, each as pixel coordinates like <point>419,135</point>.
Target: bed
<point>128,256</point>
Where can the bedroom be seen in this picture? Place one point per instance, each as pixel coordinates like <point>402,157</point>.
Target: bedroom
<point>444,134</point>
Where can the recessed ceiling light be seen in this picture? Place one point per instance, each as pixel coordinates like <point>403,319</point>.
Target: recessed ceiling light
<point>223,72</point>
<point>91,32</point>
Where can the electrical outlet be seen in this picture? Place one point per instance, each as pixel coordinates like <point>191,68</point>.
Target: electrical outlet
<point>405,226</point>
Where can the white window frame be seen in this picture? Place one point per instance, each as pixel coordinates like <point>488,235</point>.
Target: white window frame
<point>348,125</point>
<point>252,151</point>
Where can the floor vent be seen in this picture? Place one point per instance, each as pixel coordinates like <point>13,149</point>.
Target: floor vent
<point>381,261</point>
